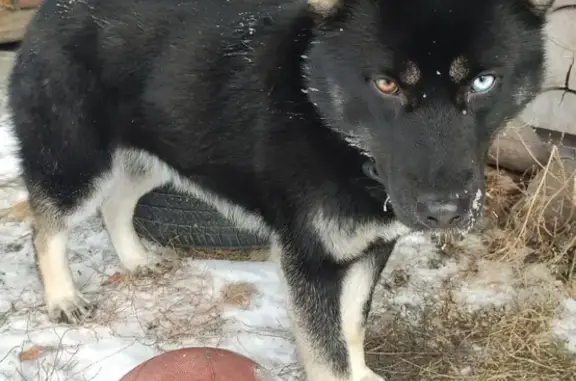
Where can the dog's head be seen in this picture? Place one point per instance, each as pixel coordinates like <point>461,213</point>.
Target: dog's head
<point>422,86</point>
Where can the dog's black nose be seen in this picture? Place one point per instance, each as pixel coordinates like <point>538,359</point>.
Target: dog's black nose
<point>442,212</point>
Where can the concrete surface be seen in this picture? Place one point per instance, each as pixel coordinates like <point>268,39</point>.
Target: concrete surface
<point>556,110</point>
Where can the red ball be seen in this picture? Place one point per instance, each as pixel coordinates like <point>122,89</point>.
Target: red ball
<point>198,364</point>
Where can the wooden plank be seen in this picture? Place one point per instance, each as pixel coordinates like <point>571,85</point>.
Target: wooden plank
<point>6,4</point>
<point>19,4</point>
<point>13,24</point>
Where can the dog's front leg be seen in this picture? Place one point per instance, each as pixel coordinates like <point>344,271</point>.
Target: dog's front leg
<point>329,303</point>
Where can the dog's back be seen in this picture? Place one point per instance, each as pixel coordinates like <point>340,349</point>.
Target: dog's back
<point>102,58</point>
<point>168,77</point>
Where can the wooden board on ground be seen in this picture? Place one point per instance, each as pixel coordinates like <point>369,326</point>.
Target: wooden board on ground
<point>13,24</point>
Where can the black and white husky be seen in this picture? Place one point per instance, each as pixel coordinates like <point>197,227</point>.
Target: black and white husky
<point>334,127</point>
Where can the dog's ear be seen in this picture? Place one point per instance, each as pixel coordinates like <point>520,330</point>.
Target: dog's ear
<point>324,7</point>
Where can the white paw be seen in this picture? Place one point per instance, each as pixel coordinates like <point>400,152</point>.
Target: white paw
<point>369,375</point>
<point>137,260</point>
<point>70,310</point>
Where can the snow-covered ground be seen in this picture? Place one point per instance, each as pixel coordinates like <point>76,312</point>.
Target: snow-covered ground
<point>183,305</point>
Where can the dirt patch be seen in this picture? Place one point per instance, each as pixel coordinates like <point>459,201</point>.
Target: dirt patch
<point>239,294</point>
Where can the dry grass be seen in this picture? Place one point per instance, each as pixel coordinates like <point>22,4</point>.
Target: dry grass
<point>503,191</point>
<point>532,218</point>
<point>170,302</point>
<point>256,255</point>
<point>451,343</point>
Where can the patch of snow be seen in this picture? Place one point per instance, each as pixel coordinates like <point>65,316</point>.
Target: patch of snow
<point>492,286</point>
<point>565,325</point>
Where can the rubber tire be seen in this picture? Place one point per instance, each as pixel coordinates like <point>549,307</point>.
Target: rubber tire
<point>179,220</point>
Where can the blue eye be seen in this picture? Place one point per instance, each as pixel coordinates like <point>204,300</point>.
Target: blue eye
<point>483,83</point>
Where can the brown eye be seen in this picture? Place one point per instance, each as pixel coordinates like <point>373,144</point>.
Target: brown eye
<point>387,86</point>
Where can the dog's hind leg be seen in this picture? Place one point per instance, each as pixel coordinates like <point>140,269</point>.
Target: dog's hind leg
<point>65,303</point>
<point>329,303</point>
<point>53,220</point>
<point>116,191</point>
<point>135,174</point>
